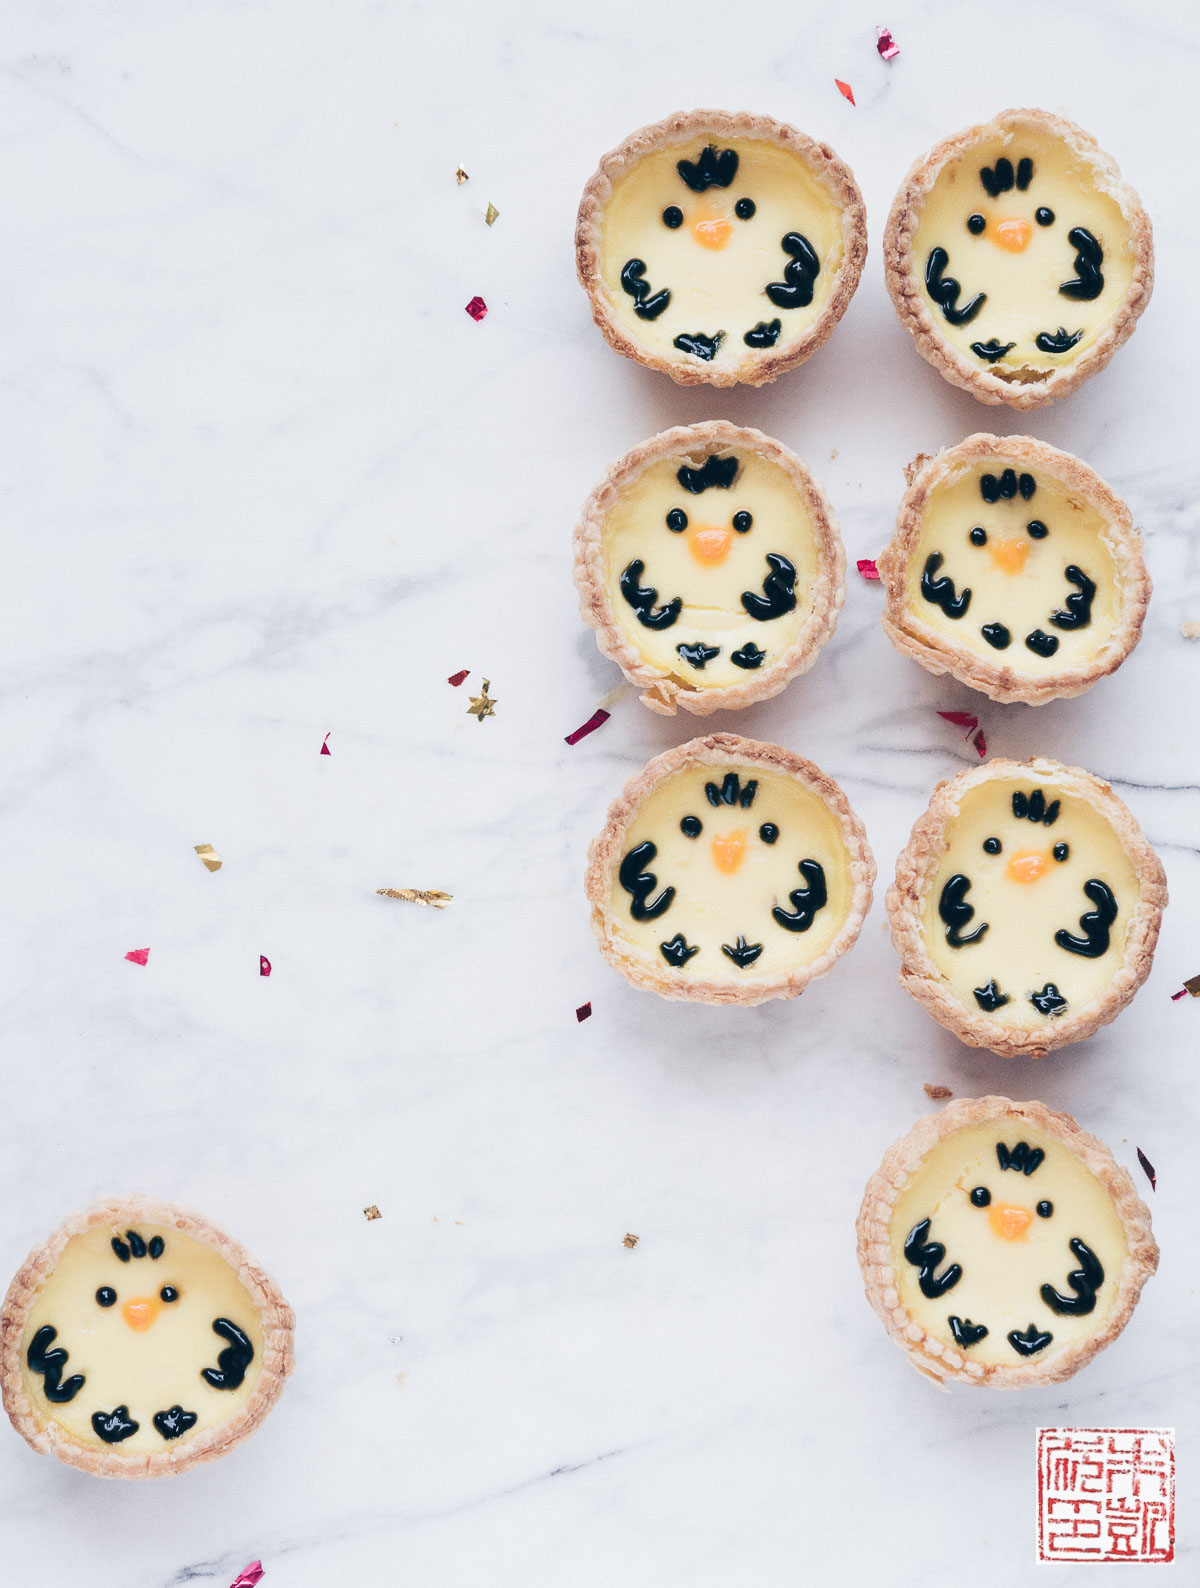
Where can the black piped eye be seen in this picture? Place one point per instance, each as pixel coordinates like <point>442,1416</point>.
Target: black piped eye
<point>744,209</point>
<point>975,223</point>
<point>742,522</point>
<point>169,1293</point>
<point>691,827</point>
<point>981,1196</point>
<point>1044,217</point>
<point>768,832</point>
<point>677,520</point>
<point>106,1296</point>
<point>1037,530</point>
<point>673,216</point>
<point>978,536</point>
<point>992,846</point>
<point>1045,1209</point>
<point>1061,850</point>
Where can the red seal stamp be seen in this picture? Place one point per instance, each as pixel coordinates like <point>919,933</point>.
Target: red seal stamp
<point>1106,1494</point>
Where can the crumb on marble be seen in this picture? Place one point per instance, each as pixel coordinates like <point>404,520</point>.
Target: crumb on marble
<point>1191,629</point>
<point>372,1212</point>
<point>631,1240</point>
<point>937,1094</point>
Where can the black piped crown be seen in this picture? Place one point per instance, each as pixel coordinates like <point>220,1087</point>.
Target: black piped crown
<point>714,168</point>
<point>713,471</point>
<point>135,1246</point>
<point>732,791</point>
<point>1022,1157</point>
<point>1032,807</point>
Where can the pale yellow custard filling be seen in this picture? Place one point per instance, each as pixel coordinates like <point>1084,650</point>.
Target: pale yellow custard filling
<point>1018,262</point>
<point>1007,1249</point>
<point>728,878</point>
<point>1016,579</point>
<point>707,566</point>
<point>715,264</point>
<point>140,1352</point>
<point>1026,895</point>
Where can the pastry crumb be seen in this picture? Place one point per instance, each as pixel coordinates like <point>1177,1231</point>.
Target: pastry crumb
<point>938,1094</point>
<point>631,1240</point>
<point>372,1212</point>
<point>1191,629</point>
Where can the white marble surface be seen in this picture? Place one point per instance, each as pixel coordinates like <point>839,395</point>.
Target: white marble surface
<point>262,478</point>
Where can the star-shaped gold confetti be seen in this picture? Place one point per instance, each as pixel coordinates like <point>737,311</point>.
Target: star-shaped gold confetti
<point>433,896</point>
<point>491,214</point>
<point>631,1240</point>
<point>460,176</point>
<point>482,705</point>
<point>372,1212</point>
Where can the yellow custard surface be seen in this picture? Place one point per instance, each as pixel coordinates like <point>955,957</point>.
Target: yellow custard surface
<point>151,1368</point>
<point>1016,579</point>
<point>1023,299</point>
<point>715,902</point>
<point>676,565</point>
<point>1002,1274</point>
<point>718,289</point>
<point>1018,950</point>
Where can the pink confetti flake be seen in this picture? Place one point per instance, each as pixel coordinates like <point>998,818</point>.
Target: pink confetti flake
<point>459,678</point>
<point>139,956</point>
<point>477,308</point>
<point>844,90</point>
<point>1149,1168</point>
<point>1182,993</point>
<point>886,44</point>
<point>596,720</point>
<point>264,965</point>
<point>325,750</point>
<point>584,1012</point>
<point>980,744</point>
<point>252,1574</point>
<point>866,567</point>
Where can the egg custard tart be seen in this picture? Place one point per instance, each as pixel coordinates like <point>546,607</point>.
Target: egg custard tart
<point>728,872</point>
<point>1015,569</point>
<point>1026,906</point>
<point>139,1340</point>
<point>720,248</point>
<point>708,561</point>
<point>1002,1245</point>
<point>1017,258</point>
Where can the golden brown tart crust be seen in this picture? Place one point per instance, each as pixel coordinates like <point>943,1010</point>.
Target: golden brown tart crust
<point>905,275</point>
<point>662,691</point>
<point>931,1357</point>
<point>276,1318</point>
<point>755,368</point>
<point>938,652</point>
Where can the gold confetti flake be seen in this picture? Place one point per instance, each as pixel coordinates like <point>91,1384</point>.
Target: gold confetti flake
<point>1190,630</point>
<point>432,896</point>
<point>372,1213</point>
<point>482,705</point>
<point>631,1240</point>
<point>939,1094</point>
<point>209,856</point>
<point>491,215</point>
<point>460,176</point>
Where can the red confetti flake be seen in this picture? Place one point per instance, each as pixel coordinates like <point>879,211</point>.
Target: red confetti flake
<point>596,720</point>
<point>477,308</point>
<point>264,965</point>
<point>1149,1168</point>
<point>844,90</point>
<point>325,750</point>
<point>961,719</point>
<point>886,44</point>
<point>866,567</point>
<point>139,956</point>
<point>584,1012</point>
<point>980,744</point>
<point>459,678</point>
<point>1182,993</point>
<point>247,1579</point>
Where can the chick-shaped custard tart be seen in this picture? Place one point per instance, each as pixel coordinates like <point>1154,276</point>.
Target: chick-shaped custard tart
<point>139,1339</point>
<point>728,872</point>
<point>1002,1245</point>
<point>1018,258</point>
<point>1014,568</point>
<point>709,563</point>
<point>720,248</point>
<point>1026,906</point>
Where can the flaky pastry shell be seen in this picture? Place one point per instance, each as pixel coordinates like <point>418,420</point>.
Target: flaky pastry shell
<point>905,275</point>
<point>936,651</point>
<point>276,1318</point>
<point>663,692</point>
<point>754,368</point>
<point>917,866</point>
<point>723,750</point>
<point>942,1363</point>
